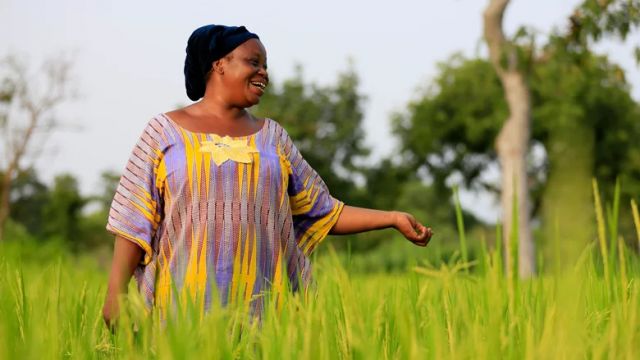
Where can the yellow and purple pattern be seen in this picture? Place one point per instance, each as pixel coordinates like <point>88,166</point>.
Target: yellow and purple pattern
<point>241,214</point>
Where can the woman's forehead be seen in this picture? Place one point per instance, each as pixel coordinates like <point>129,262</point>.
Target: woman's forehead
<point>252,47</point>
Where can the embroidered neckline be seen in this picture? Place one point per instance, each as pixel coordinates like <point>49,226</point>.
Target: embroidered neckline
<point>264,126</point>
<point>223,148</point>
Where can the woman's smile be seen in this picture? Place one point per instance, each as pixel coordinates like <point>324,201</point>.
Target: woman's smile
<point>258,87</point>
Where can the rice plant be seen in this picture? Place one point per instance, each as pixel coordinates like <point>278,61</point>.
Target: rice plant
<point>461,308</point>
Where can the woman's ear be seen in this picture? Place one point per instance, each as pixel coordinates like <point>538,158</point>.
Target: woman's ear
<point>218,67</point>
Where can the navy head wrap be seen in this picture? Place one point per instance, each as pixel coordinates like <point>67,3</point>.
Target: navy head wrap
<point>206,45</point>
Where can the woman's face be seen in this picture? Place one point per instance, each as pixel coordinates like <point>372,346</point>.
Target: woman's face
<point>244,74</point>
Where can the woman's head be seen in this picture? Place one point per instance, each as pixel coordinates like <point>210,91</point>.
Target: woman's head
<point>231,58</point>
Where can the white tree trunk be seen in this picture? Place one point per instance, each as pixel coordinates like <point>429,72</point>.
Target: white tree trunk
<point>512,143</point>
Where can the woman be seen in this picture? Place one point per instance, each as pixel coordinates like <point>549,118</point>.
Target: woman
<point>215,197</point>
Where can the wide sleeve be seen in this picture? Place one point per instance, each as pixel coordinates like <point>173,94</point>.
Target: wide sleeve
<point>313,208</point>
<point>136,210</point>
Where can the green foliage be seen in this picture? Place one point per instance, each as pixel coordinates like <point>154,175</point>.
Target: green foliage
<point>595,94</point>
<point>92,234</point>
<point>595,19</point>
<point>387,250</point>
<point>63,210</point>
<point>450,128</point>
<point>56,213</point>
<point>28,195</point>
<point>17,232</point>
<point>519,52</point>
<point>583,116</point>
<point>108,183</point>
<point>326,125</point>
<point>50,308</point>
<point>385,182</point>
<point>588,124</point>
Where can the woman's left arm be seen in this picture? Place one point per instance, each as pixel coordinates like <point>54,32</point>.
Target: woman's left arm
<point>354,220</point>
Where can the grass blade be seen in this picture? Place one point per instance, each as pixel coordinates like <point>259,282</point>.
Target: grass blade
<point>460,223</point>
<point>602,237</point>
<point>636,219</point>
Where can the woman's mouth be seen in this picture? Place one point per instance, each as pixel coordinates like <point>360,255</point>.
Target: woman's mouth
<point>260,85</point>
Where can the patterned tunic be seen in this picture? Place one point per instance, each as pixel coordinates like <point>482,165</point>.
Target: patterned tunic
<point>234,216</point>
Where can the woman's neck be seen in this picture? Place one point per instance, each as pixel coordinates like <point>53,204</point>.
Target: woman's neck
<point>215,108</point>
<point>210,116</point>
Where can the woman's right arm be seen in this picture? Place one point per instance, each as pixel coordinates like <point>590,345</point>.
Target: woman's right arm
<point>126,256</point>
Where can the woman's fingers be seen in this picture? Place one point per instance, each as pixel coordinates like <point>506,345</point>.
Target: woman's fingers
<point>414,231</point>
<point>422,236</point>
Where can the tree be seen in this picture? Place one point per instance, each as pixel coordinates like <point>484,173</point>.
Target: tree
<point>108,183</point>
<point>512,62</point>
<point>512,144</point>
<point>593,20</point>
<point>92,225</point>
<point>29,195</point>
<point>450,127</point>
<point>454,139</point>
<point>586,121</point>
<point>581,143</point>
<point>325,122</point>
<point>63,210</point>
<point>326,125</point>
<point>27,105</point>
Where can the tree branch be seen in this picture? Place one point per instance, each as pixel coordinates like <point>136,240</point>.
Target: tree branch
<point>32,107</point>
<point>493,33</point>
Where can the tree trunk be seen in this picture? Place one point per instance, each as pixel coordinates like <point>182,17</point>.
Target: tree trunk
<point>16,138</point>
<point>5,191</point>
<point>18,152</point>
<point>512,143</point>
<point>567,203</point>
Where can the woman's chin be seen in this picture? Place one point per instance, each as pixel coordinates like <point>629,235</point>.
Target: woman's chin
<point>252,100</point>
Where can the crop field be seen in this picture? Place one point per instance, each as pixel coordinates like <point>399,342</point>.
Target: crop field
<point>50,307</point>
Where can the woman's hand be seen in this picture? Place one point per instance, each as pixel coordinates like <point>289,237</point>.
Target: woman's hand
<point>354,220</point>
<point>412,229</point>
<point>111,311</point>
<point>126,256</point>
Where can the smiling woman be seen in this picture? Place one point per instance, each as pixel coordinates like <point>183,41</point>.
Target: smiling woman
<point>219,201</point>
<point>244,68</point>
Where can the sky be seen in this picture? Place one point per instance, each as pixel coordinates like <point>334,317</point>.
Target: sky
<point>128,58</point>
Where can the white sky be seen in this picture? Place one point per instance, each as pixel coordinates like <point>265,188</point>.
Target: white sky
<point>129,57</point>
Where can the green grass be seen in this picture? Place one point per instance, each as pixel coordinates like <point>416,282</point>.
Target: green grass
<point>53,311</point>
<point>50,307</point>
